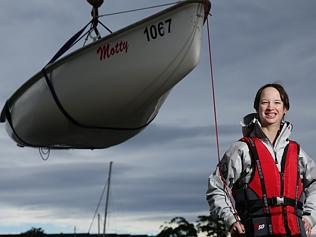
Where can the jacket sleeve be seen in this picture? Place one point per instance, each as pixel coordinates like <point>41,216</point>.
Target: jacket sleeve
<point>228,170</point>
<point>308,172</point>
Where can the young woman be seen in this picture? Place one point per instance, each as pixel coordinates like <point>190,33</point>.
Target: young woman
<point>265,184</point>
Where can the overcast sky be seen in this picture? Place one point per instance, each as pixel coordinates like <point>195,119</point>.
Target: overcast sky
<point>162,172</point>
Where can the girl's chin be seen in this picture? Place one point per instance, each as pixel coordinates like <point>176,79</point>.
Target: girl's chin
<point>270,122</point>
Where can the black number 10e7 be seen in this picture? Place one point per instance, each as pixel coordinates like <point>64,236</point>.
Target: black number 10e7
<point>160,29</point>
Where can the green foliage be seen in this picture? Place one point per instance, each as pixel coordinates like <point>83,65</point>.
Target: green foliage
<point>180,227</point>
<point>211,226</point>
<point>34,232</point>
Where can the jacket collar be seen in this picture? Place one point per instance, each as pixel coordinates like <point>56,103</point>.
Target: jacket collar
<point>251,127</point>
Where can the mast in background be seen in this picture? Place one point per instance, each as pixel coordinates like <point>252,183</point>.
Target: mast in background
<point>107,198</point>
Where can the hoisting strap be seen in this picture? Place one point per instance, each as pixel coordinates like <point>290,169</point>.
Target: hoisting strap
<point>9,119</point>
<point>76,122</point>
<point>68,44</point>
<point>22,141</point>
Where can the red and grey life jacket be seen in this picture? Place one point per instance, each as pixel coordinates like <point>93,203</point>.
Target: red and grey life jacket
<point>272,202</point>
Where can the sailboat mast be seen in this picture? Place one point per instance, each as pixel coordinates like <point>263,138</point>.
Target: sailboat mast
<point>107,198</point>
<point>98,224</point>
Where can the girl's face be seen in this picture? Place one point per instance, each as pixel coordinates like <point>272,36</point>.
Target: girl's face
<point>271,107</point>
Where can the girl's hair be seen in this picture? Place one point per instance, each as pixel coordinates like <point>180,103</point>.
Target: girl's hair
<point>281,90</point>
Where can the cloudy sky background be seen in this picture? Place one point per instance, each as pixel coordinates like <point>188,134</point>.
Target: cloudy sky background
<point>162,172</point>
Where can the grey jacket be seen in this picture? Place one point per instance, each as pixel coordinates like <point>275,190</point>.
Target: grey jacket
<point>236,165</point>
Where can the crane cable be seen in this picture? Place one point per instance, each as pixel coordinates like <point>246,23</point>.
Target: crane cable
<point>140,9</point>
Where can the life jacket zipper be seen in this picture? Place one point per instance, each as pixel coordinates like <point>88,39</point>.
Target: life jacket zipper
<point>275,157</point>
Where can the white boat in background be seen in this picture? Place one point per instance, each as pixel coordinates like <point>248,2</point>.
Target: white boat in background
<point>108,91</point>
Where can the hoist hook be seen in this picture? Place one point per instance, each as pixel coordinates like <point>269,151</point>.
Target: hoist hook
<point>95,14</point>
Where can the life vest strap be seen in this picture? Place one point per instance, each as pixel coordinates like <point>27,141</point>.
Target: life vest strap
<point>253,205</point>
<point>285,201</point>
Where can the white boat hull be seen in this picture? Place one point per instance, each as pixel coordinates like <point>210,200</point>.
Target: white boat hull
<point>112,88</point>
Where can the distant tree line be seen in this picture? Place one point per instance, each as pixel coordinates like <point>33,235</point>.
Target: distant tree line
<point>176,227</point>
<point>34,232</point>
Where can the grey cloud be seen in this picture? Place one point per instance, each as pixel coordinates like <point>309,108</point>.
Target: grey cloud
<point>159,134</point>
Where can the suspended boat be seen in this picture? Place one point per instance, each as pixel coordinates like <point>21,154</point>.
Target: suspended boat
<point>108,91</point>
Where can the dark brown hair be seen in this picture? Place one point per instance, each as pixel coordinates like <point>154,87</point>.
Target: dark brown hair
<point>281,90</point>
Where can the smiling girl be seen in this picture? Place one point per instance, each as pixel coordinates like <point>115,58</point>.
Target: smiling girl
<point>272,180</point>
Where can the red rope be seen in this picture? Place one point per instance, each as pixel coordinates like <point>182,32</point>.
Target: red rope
<point>213,91</point>
<point>226,188</point>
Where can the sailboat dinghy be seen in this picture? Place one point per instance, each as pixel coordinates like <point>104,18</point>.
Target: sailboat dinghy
<point>108,91</point>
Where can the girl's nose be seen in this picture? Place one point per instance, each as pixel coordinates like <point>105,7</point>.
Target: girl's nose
<point>270,105</point>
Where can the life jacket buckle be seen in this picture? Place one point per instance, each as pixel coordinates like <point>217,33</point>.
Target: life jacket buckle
<point>279,201</point>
